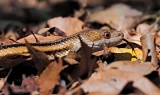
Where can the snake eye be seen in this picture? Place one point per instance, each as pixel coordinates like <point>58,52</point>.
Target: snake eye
<point>107,35</point>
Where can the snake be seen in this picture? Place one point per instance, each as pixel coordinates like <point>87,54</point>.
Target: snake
<point>93,38</point>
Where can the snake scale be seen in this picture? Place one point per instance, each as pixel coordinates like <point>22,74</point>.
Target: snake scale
<point>93,38</point>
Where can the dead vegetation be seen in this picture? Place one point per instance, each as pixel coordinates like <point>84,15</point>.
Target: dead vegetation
<point>129,68</point>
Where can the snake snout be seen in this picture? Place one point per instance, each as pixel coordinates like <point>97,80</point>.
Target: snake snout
<point>120,35</point>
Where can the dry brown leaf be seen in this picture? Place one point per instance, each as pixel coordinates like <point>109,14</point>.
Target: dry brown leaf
<point>134,36</point>
<point>69,25</point>
<point>39,58</point>
<point>86,62</point>
<point>71,58</point>
<point>149,48</point>
<point>13,90</point>
<point>7,63</point>
<point>118,16</point>
<point>158,56</point>
<point>57,32</point>
<point>49,77</point>
<point>100,93</point>
<point>43,30</point>
<point>4,39</point>
<point>71,61</point>
<point>112,81</point>
<point>12,35</point>
<point>2,82</point>
<point>158,38</point>
<point>98,53</point>
<point>105,52</point>
<point>141,30</point>
<point>29,83</point>
<point>140,68</point>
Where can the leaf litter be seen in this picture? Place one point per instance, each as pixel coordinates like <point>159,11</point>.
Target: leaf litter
<point>119,70</point>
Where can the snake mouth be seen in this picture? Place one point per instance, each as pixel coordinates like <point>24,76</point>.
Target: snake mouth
<point>114,41</point>
<point>108,42</point>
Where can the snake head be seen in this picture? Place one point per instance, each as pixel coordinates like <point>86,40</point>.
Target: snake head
<point>97,38</point>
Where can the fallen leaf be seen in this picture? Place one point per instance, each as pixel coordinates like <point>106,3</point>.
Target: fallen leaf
<point>2,82</point>
<point>100,93</point>
<point>158,38</point>
<point>129,89</point>
<point>134,36</point>
<point>149,48</point>
<point>112,81</point>
<point>7,63</point>
<point>39,58</point>
<point>118,16</point>
<point>54,31</point>
<point>71,61</point>
<point>71,58</point>
<point>43,31</point>
<point>62,90</point>
<point>57,32</point>
<point>98,53</point>
<point>69,25</point>
<point>50,77</point>
<point>74,84</point>
<point>29,83</point>
<point>11,35</point>
<point>4,39</point>
<point>86,64</point>
<point>137,67</point>
<point>13,90</point>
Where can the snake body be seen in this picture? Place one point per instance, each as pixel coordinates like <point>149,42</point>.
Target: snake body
<point>61,47</point>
